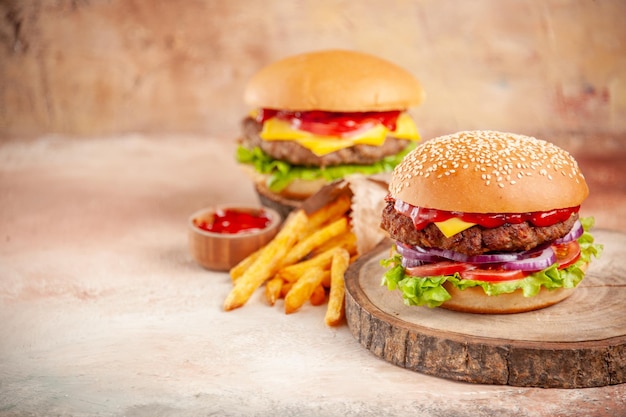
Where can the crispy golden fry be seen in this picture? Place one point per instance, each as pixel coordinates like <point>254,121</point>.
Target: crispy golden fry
<point>319,295</point>
<point>303,288</point>
<point>285,288</point>
<point>326,280</point>
<point>267,263</point>
<point>335,310</point>
<point>346,240</point>
<point>323,235</point>
<point>273,288</point>
<point>294,272</point>
<point>329,213</point>
<point>238,270</point>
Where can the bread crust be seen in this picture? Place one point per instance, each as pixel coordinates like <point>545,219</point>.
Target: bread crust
<point>333,80</point>
<point>282,204</point>
<point>489,172</point>
<point>474,300</point>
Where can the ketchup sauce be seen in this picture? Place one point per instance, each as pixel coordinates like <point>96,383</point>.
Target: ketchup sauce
<point>232,221</point>
<point>332,123</point>
<point>423,216</point>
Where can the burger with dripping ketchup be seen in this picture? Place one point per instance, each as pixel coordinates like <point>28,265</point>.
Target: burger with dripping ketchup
<point>319,116</point>
<point>487,222</point>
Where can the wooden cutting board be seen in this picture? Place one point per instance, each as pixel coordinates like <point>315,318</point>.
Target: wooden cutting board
<point>580,342</point>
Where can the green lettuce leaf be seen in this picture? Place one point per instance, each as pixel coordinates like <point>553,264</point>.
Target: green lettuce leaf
<point>281,173</point>
<point>429,291</point>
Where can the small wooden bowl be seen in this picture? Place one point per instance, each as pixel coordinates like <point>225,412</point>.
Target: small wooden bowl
<point>222,251</point>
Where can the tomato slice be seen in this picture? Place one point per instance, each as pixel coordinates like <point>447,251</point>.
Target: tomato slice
<point>567,253</point>
<point>493,275</point>
<point>438,268</point>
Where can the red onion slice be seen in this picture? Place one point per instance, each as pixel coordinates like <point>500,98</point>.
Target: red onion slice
<point>412,263</point>
<point>534,259</point>
<point>448,254</point>
<point>417,254</point>
<point>573,234</point>
<point>545,258</point>
<point>494,258</point>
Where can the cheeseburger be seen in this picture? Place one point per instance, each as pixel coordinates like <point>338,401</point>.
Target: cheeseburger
<point>487,222</point>
<point>317,117</point>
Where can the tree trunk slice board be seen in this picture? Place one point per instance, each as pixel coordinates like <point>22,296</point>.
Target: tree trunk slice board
<point>577,343</point>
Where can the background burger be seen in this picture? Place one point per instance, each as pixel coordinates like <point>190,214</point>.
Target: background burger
<point>487,222</point>
<point>320,116</point>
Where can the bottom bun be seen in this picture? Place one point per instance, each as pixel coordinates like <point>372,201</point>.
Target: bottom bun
<point>281,204</point>
<point>302,189</point>
<point>288,198</point>
<point>474,300</point>
<point>295,190</point>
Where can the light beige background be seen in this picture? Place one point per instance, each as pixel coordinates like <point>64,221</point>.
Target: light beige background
<point>118,120</point>
<point>85,68</point>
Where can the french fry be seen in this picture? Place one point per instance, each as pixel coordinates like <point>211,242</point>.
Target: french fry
<point>346,240</point>
<point>285,288</point>
<point>335,309</point>
<point>326,280</point>
<point>302,289</point>
<point>319,295</point>
<point>323,235</point>
<point>238,270</point>
<point>294,272</point>
<point>330,212</point>
<point>267,263</point>
<point>306,261</point>
<point>273,287</point>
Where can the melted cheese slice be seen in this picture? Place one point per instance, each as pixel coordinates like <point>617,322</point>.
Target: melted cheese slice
<point>453,226</point>
<point>275,129</point>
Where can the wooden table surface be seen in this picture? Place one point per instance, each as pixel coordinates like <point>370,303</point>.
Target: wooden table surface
<point>104,312</point>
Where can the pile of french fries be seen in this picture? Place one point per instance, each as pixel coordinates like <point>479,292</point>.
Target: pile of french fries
<point>306,261</point>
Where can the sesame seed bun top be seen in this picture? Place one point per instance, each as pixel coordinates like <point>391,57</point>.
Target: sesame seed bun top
<point>333,80</point>
<point>489,172</point>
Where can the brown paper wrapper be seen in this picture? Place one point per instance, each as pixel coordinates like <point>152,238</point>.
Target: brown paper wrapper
<point>368,200</point>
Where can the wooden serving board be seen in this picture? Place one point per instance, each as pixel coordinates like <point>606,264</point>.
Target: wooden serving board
<point>580,342</point>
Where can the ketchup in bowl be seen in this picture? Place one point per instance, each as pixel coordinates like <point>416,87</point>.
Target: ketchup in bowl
<point>221,237</point>
<point>232,221</point>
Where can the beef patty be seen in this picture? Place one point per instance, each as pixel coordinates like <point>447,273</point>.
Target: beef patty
<point>475,240</point>
<point>296,154</point>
